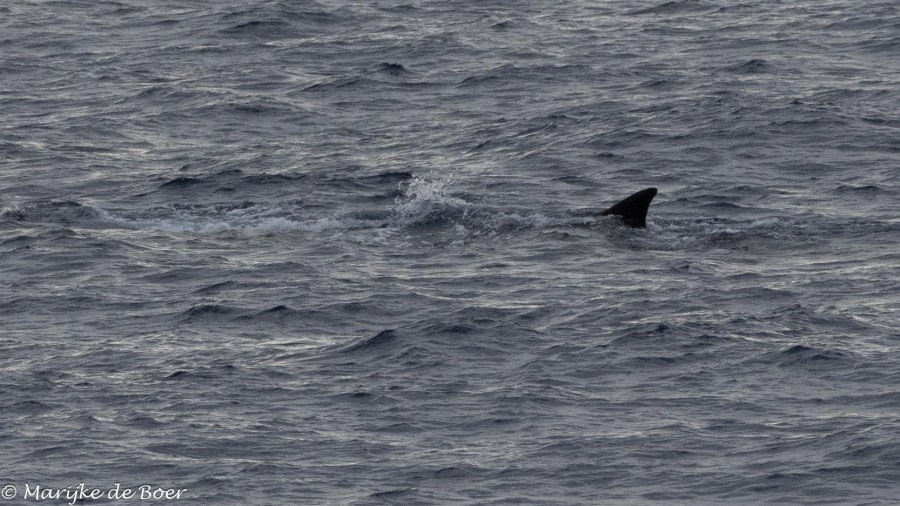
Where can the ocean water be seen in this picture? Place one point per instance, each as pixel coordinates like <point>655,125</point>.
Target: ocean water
<point>333,252</point>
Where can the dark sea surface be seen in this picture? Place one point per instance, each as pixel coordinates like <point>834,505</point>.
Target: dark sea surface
<point>300,252</point>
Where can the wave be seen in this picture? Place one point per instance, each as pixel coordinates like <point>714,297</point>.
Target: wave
<point>442,210</point>
<point>676,7</point>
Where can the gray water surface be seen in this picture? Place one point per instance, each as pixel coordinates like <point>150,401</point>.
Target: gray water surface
<point>298,252</point>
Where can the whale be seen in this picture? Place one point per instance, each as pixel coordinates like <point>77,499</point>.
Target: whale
<point>633,208</point>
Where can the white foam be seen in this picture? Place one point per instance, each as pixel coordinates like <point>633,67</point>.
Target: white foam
<point>431,201</point>
<point>425,199</point>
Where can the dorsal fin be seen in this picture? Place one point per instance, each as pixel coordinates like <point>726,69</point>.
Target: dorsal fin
<point>633,209</point>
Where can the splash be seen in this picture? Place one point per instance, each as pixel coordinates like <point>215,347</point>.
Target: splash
<point>438,202</point>
<point>426,202</point>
